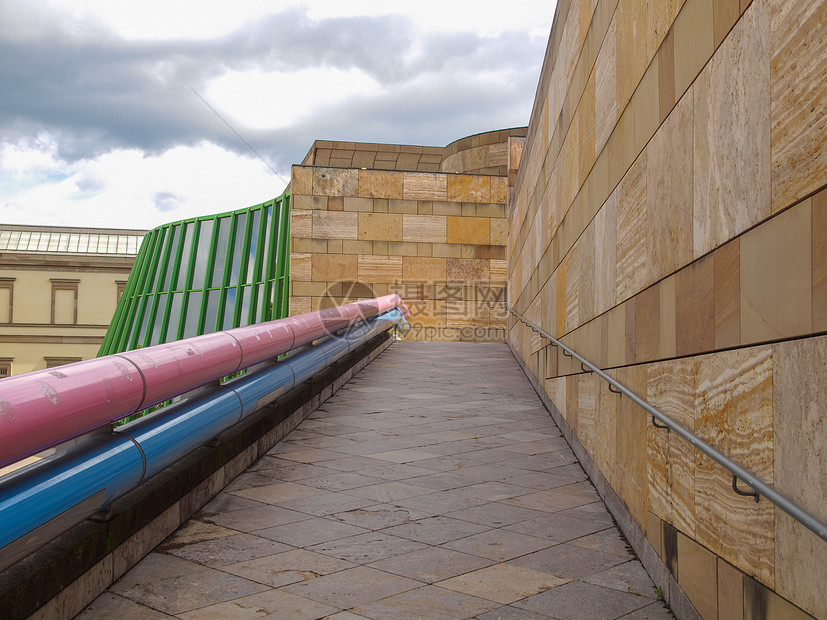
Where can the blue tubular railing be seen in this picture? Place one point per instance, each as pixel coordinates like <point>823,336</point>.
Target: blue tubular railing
<point>42,500</point>
<point>738,473</point>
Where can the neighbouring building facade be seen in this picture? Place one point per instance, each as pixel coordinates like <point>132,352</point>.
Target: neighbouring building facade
<point>58,290</point>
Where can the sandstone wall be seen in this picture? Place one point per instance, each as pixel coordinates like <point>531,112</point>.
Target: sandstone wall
<point>436,239</point>
<point>669,222</point>
<point>359,155</point>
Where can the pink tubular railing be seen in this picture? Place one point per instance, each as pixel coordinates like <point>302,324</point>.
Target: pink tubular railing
<point>41,409</point>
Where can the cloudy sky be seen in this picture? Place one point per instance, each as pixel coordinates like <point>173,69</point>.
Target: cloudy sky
<point>111,110</point>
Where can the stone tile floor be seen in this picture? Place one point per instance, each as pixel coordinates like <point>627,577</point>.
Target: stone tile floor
<point>433,485</point>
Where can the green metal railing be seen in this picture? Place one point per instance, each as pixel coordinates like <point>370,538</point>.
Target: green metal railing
<point>205,274</point>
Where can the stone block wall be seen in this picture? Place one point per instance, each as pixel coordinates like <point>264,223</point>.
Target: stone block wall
<point>374,156</point>
<point>436,239</point>
<point>669,222</point>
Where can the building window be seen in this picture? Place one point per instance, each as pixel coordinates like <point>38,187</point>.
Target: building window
<point>5,367</point>
<point>64,302</point>
<point>53,362</point>
<point>6,300</point>
<point>121,287</point>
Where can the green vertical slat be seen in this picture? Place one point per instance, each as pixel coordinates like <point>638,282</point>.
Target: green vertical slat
<point>131,335</point>
<point>207,274</point>
<point>188,263</point>
<point>242,268</point>
<point>228,265</point>
<point>136,295</point>
<point>153,259</point>
<point>269,266</point>
<point>255,280</point>
<point>179,249</point>
<point>283,263</point>
<point>161,287</point>
<point>161,258</point>
<point>153,282</point>
<point>116,326</point>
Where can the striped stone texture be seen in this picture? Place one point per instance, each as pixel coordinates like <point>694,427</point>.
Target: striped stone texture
<point>436,239</point>
<point>669,222</point>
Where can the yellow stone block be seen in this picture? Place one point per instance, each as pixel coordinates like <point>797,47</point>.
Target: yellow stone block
<point>468,271</point>
<point>800,465</point>
<point>467,313</point>
<point>734,412</point>
<point>310,202</point>
<point>402,248</point>
<point>313,246</point>
<point>424,270</point>
<point>380,269</point>
<point>335,225</point>
<point>424,228</point>
<point>427,313</point>
<point>335,182</point>
<point>299,305</point>
<point>499,190</point>
<point>351,246</point>
<point>300,266</point>
<point>380,226</point>
<point>776,277</point>
<point>380,184</point>
<point>499,231</point>
<point>309,289</point>
<point>301,181</point>
<point>631,47</point>
<point>799,99</point>
<point>334,267</point>
<point>445,250</point>
<point>469,188</point>
<point>301,223</point>
<point>473,230</point>
<point>694,42</point>
<point>447,208</point>
<point>423,186</point>
<point>364,205</point>
<point>498,270</point>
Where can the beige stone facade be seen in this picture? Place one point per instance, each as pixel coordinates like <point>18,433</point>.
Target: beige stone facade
<point>400,225</point>
<point>669,222</point>
<point>58,290</point>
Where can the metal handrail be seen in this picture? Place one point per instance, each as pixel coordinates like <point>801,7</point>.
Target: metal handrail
<point>738,472</point>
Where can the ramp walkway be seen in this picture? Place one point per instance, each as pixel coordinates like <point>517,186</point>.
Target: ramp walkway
<point>432,485</point>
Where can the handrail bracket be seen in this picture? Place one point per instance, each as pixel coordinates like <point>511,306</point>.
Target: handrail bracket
<point>744,493</point>
<point>657,425</point>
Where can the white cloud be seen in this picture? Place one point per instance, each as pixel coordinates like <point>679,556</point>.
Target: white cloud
<point>100,129</point>
<point>125,189</point>
<point>30,160</point>
<point>274,100</point>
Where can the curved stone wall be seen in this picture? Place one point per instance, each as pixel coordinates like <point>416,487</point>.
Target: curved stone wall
<point>483,153</point>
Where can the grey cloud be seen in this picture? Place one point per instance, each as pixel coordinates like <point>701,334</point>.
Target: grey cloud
<point>166,201</point>
<point>95,92</point>
<point>90,184</point>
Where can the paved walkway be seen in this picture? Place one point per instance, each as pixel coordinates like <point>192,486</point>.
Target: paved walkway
<point>433,485</point>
